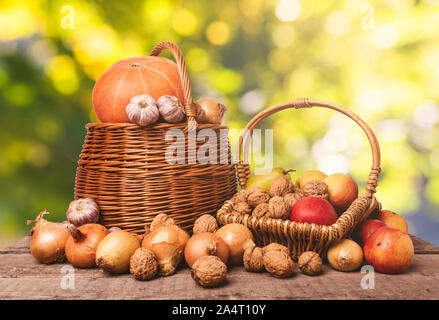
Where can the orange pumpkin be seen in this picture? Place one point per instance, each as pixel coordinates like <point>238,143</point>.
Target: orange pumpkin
<point>156,76</point>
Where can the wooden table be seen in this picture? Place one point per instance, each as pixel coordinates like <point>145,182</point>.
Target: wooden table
<point>22,277</point>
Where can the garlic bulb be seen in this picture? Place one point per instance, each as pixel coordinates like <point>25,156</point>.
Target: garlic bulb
<point>170,109</point>
<point>213,111</point>
<point>82,211</point>
<point>142,110</point>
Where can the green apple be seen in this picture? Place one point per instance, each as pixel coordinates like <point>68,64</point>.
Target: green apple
<point>264,180</point>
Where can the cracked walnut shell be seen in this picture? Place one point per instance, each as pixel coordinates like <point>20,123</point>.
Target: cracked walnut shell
<point>281,186</point>
<point>242,208</point>
<point>315,188</point>
<point>310,263</point>
<point>143,264</point>
<point>274,246</point>
<point>261,210</point>
<point>257,196</point>
<point>278,264</point>
<point>205,223</point>
<point>161,220</point>
<point>291,199</point>
<point>277,208</point>
<point>253,259</point>
<point>209,271</point>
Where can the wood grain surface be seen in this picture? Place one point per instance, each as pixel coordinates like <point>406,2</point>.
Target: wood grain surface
<point>22,277</point>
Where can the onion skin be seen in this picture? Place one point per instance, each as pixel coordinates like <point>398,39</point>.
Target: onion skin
<point>205,244</point>
<point>238,237</point>
<point>48,240</point>
<point>83,211</point>
<point>168,244</point>
<point>345,255</point>
<point>115,250</point>
<point>213,111</point>
<point>82,244</point>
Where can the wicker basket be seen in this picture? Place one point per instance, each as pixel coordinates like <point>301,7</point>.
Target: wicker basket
<point>124,168</point>
<point>301,237</point>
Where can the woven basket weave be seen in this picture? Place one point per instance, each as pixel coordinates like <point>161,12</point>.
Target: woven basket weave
<point>124,168</point>
<point>301,237</point>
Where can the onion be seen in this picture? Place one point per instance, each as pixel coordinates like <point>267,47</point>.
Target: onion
<point>238,237</point>
<point>167,243</point>
<point>83,211</point>
<point>114,252</point>
<point>212,111</point>
<point>48,240</point>
<point>345,255</point>
<point>82,244</point>
<point>205,244</point>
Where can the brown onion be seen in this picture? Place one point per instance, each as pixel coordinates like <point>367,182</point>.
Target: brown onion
<point>205,244</point>
<point>115,250</point>
<point>238,237</point>
<point>82,244</point>
<point>212,111</point>
<point>48,240</point>
<point>345,255</point>
<point>167,243</point>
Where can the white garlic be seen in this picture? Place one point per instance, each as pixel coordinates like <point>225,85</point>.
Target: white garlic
<point>83,211</point>
<point>142,110</point>
<point>170,109</point>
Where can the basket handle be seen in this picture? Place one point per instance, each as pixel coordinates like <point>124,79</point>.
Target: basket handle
<point>372,181</point>
<point>189,106</point>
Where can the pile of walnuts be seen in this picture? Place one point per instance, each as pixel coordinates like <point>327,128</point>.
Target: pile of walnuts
<point>278,202</point>
<point>275,259</point>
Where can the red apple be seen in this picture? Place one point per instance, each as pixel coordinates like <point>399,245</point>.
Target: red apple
<point>367,228</point>
<point>313,210</point>
<point>393,220</point>
<point>343,190</point>
<point>389,250</point>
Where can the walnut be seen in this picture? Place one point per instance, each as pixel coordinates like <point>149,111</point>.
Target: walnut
<point>242,195</point>
<point>161,220</point>
<point>277,208</point>
<point>261,210</point>
<point>310,263</point>
<point>205,223</point>
<point>143,264</point>
<point>315,188</point>
<point>291,199</point>
<point>281,186</point>
<point>209,271</point>
<point>275,247</point>
<point>278,264</point>
<point>257,196</point>
<point>242,208</point>
<point>253,259</point>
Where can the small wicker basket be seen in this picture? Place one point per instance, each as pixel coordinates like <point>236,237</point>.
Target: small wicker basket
<point>124,168</point>
<point>301,237</point>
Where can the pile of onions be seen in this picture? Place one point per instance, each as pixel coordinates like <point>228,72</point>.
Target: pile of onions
<point>345,255</point>
<point>82,244</point>
<point>167,243</point>
<point>48,240</point>
<point>114,252</point>
<point>205,244</point>
<point>238,237</point>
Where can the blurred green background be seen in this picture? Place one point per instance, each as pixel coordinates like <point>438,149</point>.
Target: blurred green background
<point>378,58</point>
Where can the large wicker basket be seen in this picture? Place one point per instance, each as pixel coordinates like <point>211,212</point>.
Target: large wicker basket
<point>301,237</point>
<point>124,168</point>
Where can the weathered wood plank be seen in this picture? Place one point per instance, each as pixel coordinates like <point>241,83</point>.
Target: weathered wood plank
<point>21,246</point>
<point>423,247</point>
<point>24,278</point>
